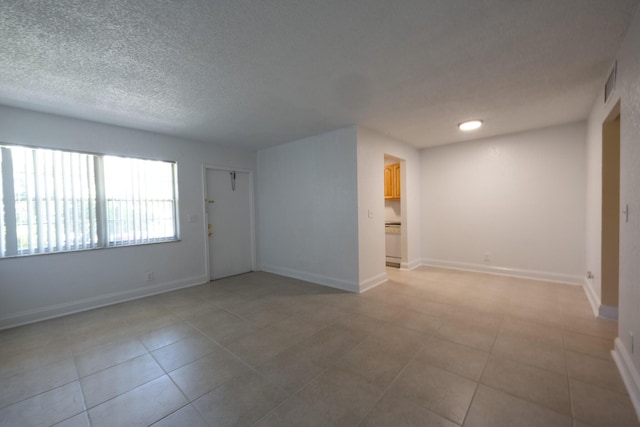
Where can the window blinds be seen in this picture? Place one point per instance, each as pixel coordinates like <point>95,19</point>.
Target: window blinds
<point>56,201</point>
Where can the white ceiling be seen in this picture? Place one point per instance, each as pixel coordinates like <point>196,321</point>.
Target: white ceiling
<point>256,73</point>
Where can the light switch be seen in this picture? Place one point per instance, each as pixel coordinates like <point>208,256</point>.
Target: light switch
<point>192,218</point>
<point>370,213</point>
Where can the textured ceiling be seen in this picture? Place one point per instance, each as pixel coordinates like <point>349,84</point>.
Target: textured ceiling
<point>253,74</point>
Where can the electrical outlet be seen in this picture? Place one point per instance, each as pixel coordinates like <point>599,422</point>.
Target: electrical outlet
<point>149,276</point>
<point>631,335</point>
<point>487,257</point>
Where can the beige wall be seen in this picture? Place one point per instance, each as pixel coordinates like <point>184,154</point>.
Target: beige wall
<point>610,210</point>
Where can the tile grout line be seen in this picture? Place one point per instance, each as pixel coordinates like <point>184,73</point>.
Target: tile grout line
<point>566,365</point>
<point>522,398</point>
<point>290,395</point>
<point>388,387</point>
<point>484,368</point>
<point>228,351</point>
<point>322,372</point>
<point>75,363</point>
<point>527,400</point>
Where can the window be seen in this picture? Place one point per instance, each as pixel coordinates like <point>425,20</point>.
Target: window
<point>54,201</point>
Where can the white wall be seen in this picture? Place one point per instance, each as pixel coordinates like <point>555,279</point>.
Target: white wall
<point>42,286</point>
<point>372,148</point>
<point>392,211</point>
<point>628,90</point>
<point>307,205</point>
<point>519,198</point>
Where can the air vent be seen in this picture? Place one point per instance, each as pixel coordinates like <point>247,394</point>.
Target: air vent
<point>610,85</point>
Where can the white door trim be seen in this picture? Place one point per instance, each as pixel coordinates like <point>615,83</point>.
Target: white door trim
<point>252,232</point>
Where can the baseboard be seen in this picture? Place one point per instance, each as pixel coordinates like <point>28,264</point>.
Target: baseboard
<point>312,277</point>
<point>628,373</point>
<point>599,310</point>
<point>374,281</point>
<point>411,265</point>
<point>594,299</point>
<point>504,271</point>
<point>608,312</point>
<point>64,309</point>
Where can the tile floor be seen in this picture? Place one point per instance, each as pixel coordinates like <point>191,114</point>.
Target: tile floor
<point>430,347</point>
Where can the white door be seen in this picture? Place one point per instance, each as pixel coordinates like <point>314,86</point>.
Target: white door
<point>229,223</point>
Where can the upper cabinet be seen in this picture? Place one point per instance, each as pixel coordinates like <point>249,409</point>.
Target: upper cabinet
<point>392,181</point>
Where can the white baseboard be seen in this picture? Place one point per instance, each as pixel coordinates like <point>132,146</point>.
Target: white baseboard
<point>629,374</point>
<point>64,309</point>
<point>599,310</point>
<point>412,265</point>
<point>312,277</point>
<point>374,281</point>
<point>504,271</point>
<point>608,312</point>
<point>594,299</point>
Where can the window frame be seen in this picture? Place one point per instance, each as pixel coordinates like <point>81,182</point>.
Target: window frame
<point>100,212</point>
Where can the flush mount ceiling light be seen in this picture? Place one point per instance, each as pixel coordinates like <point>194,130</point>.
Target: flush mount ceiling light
<point>470,125</point>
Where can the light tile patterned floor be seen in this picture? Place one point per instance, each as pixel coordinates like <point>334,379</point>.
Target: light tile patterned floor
<point>430,347</point>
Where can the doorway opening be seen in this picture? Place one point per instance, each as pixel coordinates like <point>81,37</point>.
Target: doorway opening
<point>230,243</point>
<point>610,249</point>
<point>394,211</point>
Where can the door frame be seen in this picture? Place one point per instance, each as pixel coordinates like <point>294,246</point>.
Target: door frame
<point>205,219</point>
<point>610,231</point>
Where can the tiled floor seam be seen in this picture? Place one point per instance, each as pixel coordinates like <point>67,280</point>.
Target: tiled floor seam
<point>320,373</point>
<point>566,341</point>
<point>564,350</point>
<point>170,378</point>
<point>520,397</point>
<point>216,343</point>
<point>173,412</point>
<point>75,364</point>
<point>167,373</point>
<point>271,411</point>
<point>228,351</point>
<point>388,387</point>
<point>43,392</point>
<point>528,401</point>
<point>475,391</point>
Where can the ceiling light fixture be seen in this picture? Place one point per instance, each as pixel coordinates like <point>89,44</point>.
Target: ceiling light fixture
<point>470,125</point>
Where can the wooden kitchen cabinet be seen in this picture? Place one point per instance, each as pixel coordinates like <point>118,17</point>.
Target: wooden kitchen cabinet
<point>392,181</point>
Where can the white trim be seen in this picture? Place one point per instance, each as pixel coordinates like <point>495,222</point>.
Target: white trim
<point>628,373</point>
<point>608,312</point>
<point>594,299</point>
<point>410,265</point>
<point>599,310</point>
<point>372,282</point>
<point>312,277</point>
<point>504,271</point>
<point>64,309</point>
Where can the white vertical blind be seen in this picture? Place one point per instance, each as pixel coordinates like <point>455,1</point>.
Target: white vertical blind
<point>140,200</point>
<point>49,211</point>
<point>62,201</point>
<point>3,234</point>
